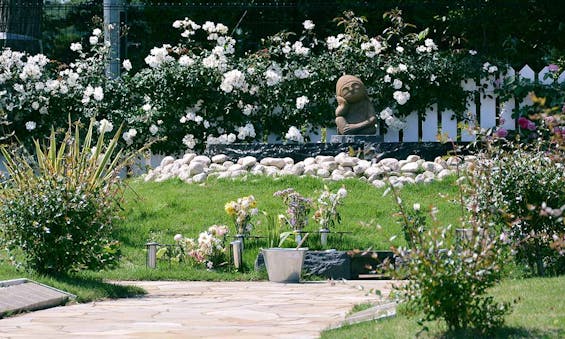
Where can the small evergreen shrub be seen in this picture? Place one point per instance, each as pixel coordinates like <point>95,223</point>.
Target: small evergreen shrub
<point>57,208</point>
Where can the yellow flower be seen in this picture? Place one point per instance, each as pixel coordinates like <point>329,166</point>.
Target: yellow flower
<point>230,208</point>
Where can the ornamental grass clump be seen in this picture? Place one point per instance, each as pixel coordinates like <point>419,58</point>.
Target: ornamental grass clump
<point>58,206</point>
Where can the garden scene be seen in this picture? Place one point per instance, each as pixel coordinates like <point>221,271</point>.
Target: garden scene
<point>393,170</point>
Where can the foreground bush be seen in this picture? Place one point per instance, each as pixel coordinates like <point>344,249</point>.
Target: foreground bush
<point>57,208</point>
<point>449,277</point>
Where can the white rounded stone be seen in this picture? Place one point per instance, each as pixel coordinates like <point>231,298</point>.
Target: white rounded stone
<point>277,162</point>
<point>247,161</point>
<point>199,178</point>
<point>412,158</point>
<point>410,167</point>
<point>202,159</point>
<point>324,158</point>
<point>323,173</point>
<point>195,168</point>
<point>309,161</point>
<point>167,160</point>
<point>444,173</point>
<point>378,183</point>
<point>219,158</point>
<point>391,163</point>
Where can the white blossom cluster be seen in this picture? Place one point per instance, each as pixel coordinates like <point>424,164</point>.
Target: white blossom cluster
<point>158,56</point>
<point>335,42</point>
<point>302,101</point>
<point>302,73</point>
<point>273,75</point>
<point>428,46</point>
<point>490,68</point>
<point>222,139</point>
<point>372,47</point>
<point>189,141</point>
<point>129,135</point>
<point>387,115</point>
<point>191,114</point>
<point>234,80</point>
<point>188,26</point>
<point>247,131</point>
<point>294,134</point>
<point>308,25</point>
<point>401,97</point>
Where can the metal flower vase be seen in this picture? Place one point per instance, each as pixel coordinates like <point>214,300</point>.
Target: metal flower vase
<point>284,265</point>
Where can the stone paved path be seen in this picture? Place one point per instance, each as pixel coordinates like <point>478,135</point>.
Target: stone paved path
<point>203,310</point>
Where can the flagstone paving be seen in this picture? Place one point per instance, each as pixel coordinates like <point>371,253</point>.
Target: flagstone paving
<point>204,310</point>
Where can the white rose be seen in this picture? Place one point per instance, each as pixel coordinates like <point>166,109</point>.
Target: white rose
<point>30,125</point>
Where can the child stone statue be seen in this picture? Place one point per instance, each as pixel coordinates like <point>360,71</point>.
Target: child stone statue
<point>355,114</point>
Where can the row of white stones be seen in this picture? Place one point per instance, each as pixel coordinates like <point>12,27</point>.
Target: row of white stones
<point>193,168</point>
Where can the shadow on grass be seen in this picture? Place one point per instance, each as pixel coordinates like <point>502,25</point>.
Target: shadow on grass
<point>88,288</point>
<point>507,332</point>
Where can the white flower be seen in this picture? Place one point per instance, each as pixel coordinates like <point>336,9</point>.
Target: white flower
<point>472,52</point>
<point>430,44</point>
<point>308,25</point>
<point>401,97</point>
<point>273,75</point>
<point>97,32</point>
<point>246,131</point>
<point>129,135</point>
<point>397,84</point>
<point>402,67</point>
<point>301,102</point>
<point>294,134</point>
<point>221,28</point>
<point>391,70</point>
<point>146,107</point>
<point>336,42</point>
<point>492,69</point>
<point>76,47</point>
<point>302,73</point>
<point>105,126</point>
<point>35,105</point>
<point>231,137</point>
<point>127,65</point>
<point>342,192</point>
<point>248,109</point>
<point>177,24</point>
<point>185,60</point>
<point>98,93</point>
<point>416,207</point>
<point>189,141</point>
<point>30,125</point>
<point>93,40</point>
<point>178,237</point>
<point>233,79</point>
<point>153,129</point>
<point>385,113</point>
<point>299,49</point>
<point>399,49</point>
<point>387,78</point>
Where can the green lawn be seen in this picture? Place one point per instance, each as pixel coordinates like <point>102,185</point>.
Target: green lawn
<point>538,313</point>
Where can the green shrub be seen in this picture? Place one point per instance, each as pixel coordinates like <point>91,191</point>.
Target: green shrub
<point>449,278</point>
<point>57,208</point>
<point>520,186</point>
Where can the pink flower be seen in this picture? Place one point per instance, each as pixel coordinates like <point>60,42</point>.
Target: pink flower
<point>553,68</point>
<point>523,122</point>
<point>501,132</point>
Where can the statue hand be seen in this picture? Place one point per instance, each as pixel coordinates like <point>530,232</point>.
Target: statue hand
<point>372,119</point>
<point>341,101</point>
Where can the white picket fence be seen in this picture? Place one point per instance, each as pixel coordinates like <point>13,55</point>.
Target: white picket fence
<point>488,111</point>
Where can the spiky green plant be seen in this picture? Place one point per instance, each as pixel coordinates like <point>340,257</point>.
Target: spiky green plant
<point>57,207</point>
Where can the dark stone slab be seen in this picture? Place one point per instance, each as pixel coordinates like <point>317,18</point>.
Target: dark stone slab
<point>365,149</point>
<point>297,152</point>
<point>367,262</point>
<point>329,264</point>
<point>25,295</point>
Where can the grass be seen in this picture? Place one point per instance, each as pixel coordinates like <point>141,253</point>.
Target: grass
<point>157,211</point>
<point>538,313</point>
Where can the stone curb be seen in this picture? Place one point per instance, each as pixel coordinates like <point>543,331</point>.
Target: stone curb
<point>377,312</point>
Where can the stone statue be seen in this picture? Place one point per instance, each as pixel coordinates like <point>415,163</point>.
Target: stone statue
<point>355,114</point>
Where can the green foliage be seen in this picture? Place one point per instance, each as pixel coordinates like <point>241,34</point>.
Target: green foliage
<point>57,208</point>
<point>519,186</point>
<point>448,277</point>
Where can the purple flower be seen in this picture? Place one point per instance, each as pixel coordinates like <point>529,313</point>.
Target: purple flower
<point>531,126</point>
<point>501,132</point>
<point>553,68</point>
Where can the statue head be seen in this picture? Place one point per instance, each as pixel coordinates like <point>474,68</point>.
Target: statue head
<point>351,88</point>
